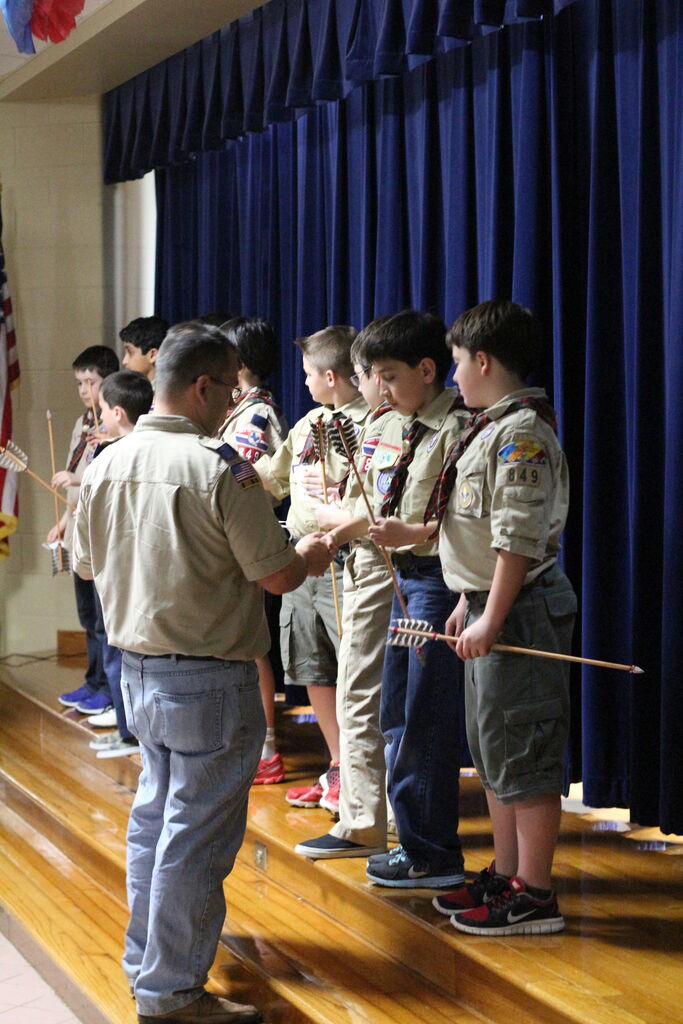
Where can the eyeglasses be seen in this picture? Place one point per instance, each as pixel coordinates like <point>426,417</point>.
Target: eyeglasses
<point>235,392</point>
<point>355,377</point>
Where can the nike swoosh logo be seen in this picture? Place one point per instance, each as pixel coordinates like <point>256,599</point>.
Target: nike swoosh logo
<point>514,918</point>
<point>412,873</point>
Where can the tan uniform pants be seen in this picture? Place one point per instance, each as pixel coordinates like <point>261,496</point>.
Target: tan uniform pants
<point>367,608</point>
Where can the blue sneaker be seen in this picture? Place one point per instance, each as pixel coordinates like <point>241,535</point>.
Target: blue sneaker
<point>398,870</point>
<point>95,704</point>
<point>72,699</point>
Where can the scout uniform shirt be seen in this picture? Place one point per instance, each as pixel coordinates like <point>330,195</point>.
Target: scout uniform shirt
<point>368,440</point>
<point>86,458</point>
<point>256,426</point>
<point>175,528</point>
<point>444,429</point>
<point>511,493</point>
<point>280,470</point>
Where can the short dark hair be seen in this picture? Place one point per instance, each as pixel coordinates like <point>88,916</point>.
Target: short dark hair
<point>409,337</point>
<point>330,349</point>
<point>359,349</point>
<point>145,333</point>
<point>255,342</point>
<point>97,357</point>
<point>503,329</point>
<point>129,389</point>
<point>189,350</point>
<point>217,319</point>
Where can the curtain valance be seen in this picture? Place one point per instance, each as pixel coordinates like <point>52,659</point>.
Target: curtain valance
<point>281,59</point>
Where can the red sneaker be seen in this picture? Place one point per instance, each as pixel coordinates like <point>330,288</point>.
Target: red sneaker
<point>270,771</point>
<point>329,782</point>
<point>304,796</point>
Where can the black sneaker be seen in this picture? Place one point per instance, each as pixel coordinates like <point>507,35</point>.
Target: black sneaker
<point>329,846</point>
<point>208,1009</point>
<point>513,912</point>
<point>474,894</point>
<point>398,870</point>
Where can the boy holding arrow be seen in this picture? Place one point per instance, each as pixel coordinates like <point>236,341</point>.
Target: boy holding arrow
<point>502,502</point>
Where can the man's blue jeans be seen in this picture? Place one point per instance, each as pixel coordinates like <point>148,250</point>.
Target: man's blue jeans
<point>201,728</point>
<point>420,715</point>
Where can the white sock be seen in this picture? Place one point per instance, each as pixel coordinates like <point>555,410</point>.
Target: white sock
<point>268,751</point>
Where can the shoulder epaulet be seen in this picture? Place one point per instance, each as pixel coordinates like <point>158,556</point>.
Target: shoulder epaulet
<point>220,447</point>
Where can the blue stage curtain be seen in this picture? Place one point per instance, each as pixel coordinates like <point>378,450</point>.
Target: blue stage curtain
<point>279,61</point>
<point>542,162</point>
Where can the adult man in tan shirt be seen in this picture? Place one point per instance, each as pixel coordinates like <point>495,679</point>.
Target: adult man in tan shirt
<point>179,536</point>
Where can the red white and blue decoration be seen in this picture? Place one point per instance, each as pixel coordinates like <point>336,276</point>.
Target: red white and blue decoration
<point>45,19</point>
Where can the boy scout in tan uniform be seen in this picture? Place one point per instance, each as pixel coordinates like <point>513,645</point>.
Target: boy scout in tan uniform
<point>499,542</point>
<point>362,826</point>
<point>421,696</point>
<point>309,637</point>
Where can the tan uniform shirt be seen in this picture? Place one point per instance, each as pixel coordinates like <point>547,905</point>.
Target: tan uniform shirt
<point>174,536</point>
<point>511,493</point>
<point>280,471</point>
<point>368,440</point>
<point>252,438</point>
<point>444,429</point>
<point>73,492</point>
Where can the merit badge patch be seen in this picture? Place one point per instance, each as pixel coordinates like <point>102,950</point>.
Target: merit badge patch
<point>384,482</point>
<point>529,452</point>
<point>465,494</point>
<point>385,455</point>
<point>245,474</point>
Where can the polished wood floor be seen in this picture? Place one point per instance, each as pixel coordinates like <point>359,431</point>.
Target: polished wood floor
<point>314,941</point>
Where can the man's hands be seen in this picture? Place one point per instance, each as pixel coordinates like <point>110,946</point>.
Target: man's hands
<point>317,550</point>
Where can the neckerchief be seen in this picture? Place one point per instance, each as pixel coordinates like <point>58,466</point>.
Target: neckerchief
<point>257,394</point>
<point>440,496</point>
<point>375,415</point>
<point>77,453</point>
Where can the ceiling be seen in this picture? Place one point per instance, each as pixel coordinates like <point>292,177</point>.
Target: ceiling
<point>113,41</point>
<point>11,59</point>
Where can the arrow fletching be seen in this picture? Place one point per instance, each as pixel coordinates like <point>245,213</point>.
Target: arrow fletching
<point>12,457</point>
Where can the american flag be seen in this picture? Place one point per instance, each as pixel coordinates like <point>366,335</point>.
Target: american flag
<point>9,378</point>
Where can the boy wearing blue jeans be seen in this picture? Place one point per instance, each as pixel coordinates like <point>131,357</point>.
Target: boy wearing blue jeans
<point>124,397</point>
<point>503,514</point>
<point>421,699</point>
<point>90,368</point>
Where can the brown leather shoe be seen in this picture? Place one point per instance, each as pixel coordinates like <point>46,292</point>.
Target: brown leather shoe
<point>207,1009</point>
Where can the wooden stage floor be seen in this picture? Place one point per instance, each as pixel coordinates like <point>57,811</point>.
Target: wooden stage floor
<point>618,962</point>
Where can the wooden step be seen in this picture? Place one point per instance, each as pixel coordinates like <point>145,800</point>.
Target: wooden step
<point>70,821</point>
<point>315,938</point>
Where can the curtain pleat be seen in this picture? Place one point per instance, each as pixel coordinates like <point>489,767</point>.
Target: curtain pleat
<point>541,163</point>
<point>279,61</point>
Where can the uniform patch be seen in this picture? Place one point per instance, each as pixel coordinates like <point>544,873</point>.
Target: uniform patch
<point>251,443</point>
<point>488,431</point>
<point>523,473</point>
<point>244,474</point>
<point>465,494</point>
<point>433,442</point>
<point>529,452</point>
<point>385,455</point>
<point>384,482</point>
<point>368,449</point>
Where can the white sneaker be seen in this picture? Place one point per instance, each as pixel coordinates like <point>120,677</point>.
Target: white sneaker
<point>107,720</point>
<point>106,741</point>
<point>120,749</point>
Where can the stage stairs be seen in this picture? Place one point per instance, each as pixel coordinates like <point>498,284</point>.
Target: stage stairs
<point>309,942</point>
